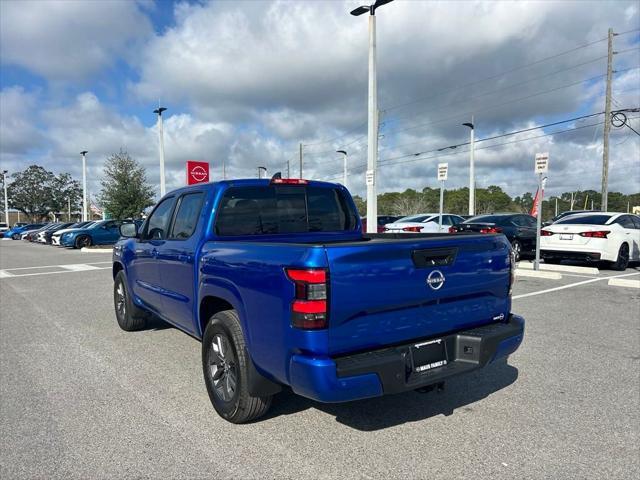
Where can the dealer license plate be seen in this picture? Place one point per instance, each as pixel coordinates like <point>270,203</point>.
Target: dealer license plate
<point>566,236</point>
<point>429,355</point>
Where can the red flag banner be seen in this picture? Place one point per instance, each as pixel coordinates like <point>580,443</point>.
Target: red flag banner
<point>536,201</point>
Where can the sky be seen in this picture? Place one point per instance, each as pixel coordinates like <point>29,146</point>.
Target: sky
<point>245,82</point>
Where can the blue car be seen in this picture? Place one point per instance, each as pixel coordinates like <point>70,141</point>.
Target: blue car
<point>15,232</point>
<point>105,232</point>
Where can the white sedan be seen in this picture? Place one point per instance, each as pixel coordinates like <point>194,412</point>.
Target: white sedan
<point>423,223</point>
<point>594,237</point>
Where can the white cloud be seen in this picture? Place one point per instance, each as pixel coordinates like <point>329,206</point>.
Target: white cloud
<point>69,40</point>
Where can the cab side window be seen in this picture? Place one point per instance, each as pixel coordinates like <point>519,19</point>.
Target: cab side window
<point>158,222</point>
<point>187,216</point>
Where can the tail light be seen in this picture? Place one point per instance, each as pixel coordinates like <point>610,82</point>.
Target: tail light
<point>412,229</point>
<point>453,230</point>
<point>309,308</point>
<point>545,233</point>
<point>491,230</point>
<point>289,181</point>
<point>597,234</point>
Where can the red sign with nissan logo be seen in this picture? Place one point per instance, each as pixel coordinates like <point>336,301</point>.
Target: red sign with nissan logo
<point>197,172</point>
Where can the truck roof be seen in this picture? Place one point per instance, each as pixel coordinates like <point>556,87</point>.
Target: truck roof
<point>246,182</point>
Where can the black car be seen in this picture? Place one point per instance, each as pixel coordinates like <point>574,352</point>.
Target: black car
<point>519,228</point>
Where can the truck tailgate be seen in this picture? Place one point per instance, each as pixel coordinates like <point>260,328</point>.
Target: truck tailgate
<point>380,294</point>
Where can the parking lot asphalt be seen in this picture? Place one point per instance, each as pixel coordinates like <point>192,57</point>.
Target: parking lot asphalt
<point>79,398</point>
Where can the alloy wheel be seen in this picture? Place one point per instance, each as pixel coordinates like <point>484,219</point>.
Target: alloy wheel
<point>222,368</point>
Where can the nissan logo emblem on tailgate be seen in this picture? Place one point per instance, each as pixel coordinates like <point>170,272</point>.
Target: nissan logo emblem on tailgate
<point>435,280</point>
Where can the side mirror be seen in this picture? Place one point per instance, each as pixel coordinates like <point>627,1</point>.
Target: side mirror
<point>129,230</point>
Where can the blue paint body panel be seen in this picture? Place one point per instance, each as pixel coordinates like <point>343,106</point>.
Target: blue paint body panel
<point>377,295</point>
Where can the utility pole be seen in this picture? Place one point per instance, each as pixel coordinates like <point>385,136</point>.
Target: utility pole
<point>260,169</point>
<point>607,124</point>
<point>84,185</point>
<point>344,166</point>
<point>300,160</point>
<point>159,111</point>
<point>472,168</point>
<point>6,201</point>
<point>556,206</point>
<point>288,168</point>
<point>68,209</point>
<point>224,169</point>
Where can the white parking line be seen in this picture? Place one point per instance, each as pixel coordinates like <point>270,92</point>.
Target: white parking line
<point>80,267</point>
<point>5,274</point>
<point>54,266</point>
<point>571,285</point>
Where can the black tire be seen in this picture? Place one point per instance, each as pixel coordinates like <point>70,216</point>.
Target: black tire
<point>130,317</point>
<point>15,236</point>
<point>516,246</point>
<point>82,241</point>
<point>226,372</point>
<point>623,258</point>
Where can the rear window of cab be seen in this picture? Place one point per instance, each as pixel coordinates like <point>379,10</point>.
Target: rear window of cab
<point>585,219</point>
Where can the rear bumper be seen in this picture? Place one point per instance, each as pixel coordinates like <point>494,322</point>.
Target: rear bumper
<point>388,370</point>
<point>572,255</point>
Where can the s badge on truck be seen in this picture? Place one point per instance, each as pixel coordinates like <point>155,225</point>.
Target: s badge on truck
<point>435,280</point>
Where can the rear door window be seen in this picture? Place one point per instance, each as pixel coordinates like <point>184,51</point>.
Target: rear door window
<point>283,209</point>
<point>187,216</point>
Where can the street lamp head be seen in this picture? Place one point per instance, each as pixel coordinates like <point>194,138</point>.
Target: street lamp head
<point>371,8</point>
<point>470,125</point>
<point>343,152</point>
<point>83,153</point>
<point>159,110</point>
<point>4,172</point>
<point>359,11</point>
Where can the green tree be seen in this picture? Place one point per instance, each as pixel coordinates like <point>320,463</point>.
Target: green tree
<point>125,192</point>
<point>36,192</point>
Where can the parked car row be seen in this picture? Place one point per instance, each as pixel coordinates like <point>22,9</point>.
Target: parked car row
<point>585,235</point>
<point>69,234</point>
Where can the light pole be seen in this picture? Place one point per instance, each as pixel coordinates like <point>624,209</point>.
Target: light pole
<point>159,111</point>
<point>372,147</point>
<point>6,201</point>
<point>344,166</point>
<point>84,185</point>
<point>260,169</point>
<point>472,169</point>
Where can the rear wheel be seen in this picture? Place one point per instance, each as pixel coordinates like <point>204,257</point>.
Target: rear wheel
<point>129,317</point>
<point>83,241</point>
<point>225,367</point>
<point>623,258</point>
<point>516,246</point>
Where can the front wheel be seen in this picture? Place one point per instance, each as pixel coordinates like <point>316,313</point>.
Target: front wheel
<point>225,366</point>
<point>83,241</point>
<point>15,236</point>
<point>623,258</point>
<point>129,317</point>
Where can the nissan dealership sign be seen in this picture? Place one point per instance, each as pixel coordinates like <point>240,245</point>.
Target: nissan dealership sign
<point>197,172</point>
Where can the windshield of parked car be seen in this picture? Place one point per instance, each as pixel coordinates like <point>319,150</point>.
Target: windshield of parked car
<point>585,219</point>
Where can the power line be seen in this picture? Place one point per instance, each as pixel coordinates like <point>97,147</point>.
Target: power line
<point>492,77</point>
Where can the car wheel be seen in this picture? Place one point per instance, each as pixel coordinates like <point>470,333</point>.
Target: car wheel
<point>130,317</point>
<point>83,241</point>
<point>623,258</point>
<point>15,236</point>
<point>516,246</point>
<point>225,367</point>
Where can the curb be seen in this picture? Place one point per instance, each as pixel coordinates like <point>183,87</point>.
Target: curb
<point>538,274</point>
<point>96,250</point>
<point>561,268</point>
<point>623,282</point>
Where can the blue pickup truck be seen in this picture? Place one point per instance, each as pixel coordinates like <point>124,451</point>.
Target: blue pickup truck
<point>277,280</point>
